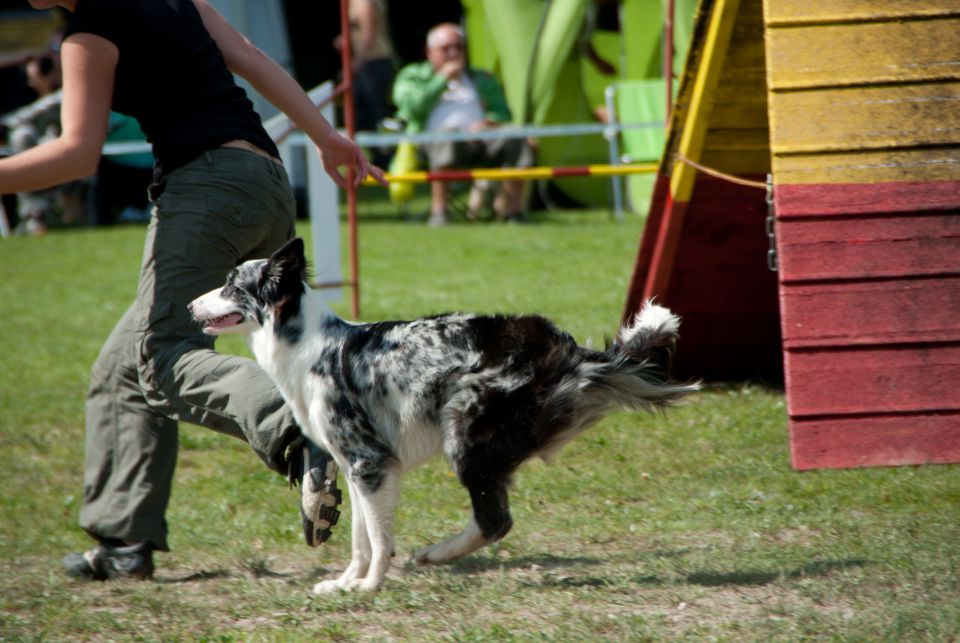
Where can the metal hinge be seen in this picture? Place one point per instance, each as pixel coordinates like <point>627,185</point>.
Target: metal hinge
<point>771,227</point>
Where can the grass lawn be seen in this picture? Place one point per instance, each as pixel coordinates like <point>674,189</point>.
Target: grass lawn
<point>689,525</point>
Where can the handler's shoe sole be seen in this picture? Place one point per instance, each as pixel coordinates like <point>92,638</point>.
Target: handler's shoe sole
<point>319,495</point>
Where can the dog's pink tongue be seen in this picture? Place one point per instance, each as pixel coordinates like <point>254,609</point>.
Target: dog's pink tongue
<point>227,320</point>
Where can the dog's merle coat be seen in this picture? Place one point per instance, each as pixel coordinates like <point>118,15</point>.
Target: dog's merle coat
<point>488,391</point>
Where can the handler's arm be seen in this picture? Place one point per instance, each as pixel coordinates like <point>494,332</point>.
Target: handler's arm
<point>89,64</point>
<point>277,86</point>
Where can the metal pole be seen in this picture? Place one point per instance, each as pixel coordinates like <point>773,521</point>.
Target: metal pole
<point>348,117</point>
<point>616,181</point>
<point>668,58</point>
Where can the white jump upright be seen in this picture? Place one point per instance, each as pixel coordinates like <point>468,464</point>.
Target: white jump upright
<point>301,160</point>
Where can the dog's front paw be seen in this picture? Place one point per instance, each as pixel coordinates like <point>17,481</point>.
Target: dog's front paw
<point>367,584</point>
<point>327,587</point>
<point>355,585</point>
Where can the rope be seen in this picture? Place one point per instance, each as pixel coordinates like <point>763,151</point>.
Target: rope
<point>721,175</point>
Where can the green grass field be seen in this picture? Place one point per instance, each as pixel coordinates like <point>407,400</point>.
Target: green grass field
<point>690,525</point>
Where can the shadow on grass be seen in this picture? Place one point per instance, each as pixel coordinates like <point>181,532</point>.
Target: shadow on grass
<point>203,574</point>
<point>260,568</point>
<point>474,564</point>
<point>257,568</point>
<point>757,577</point>
<point>749,578</point>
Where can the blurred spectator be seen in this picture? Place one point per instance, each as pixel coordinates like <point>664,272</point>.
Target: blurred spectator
<point>373,62</point>
<point>445,94</point>
<point>34,124</point>
<point>120,193</point>
<point>373,67</point>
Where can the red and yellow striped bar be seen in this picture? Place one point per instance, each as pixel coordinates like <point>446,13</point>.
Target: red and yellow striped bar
<point>519,174</point>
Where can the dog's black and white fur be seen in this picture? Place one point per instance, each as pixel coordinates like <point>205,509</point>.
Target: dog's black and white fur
<point>488,391</point>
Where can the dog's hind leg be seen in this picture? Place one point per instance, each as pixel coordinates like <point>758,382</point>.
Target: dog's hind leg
<point>490,522</point>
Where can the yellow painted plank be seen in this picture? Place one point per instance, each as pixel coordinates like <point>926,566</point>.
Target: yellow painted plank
<point>735,139</point>
<point>738,162</point>
<point>844,119</point>
<point>745,86</point>
<point>923,165</point>
<point>866,53</point>
<point>787,12</point>
<point>741,115</point>
<point>708,73</point>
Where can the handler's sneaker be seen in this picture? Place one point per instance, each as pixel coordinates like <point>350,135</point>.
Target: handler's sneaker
<point>107,561</point>
<point>316,473</point>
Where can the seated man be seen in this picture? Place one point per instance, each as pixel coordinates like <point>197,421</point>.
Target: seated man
<point>441,94</point>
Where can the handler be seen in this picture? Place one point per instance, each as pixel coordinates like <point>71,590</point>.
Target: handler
<point>221,196</point>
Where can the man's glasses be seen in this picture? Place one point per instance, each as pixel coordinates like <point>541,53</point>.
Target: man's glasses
<point>454,47</point>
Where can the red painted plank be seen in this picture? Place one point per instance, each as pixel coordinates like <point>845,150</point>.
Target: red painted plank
<point>726,347</point>
<point>720,216</point>
<point>641,267</point>
<point>875,441</point>
<point>718,282</point>
<point>665,249</point>
<point>873,312</point>
<point>892,379</point>
<point>800,200</point>
<point>865,247</point>
<point>722,289</point>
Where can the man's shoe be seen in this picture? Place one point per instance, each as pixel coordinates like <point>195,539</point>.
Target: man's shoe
<point>106,561</point>
<point>316,473</point>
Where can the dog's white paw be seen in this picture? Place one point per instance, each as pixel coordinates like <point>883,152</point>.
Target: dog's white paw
<point>364,585</point>
<point>355,585</point>
<point>327,587</point>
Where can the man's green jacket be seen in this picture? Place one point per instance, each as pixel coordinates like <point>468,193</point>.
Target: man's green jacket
<point>417,88</point>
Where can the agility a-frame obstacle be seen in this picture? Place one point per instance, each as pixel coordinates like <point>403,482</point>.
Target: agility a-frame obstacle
<point>704,248</point>
<point>862,147</point>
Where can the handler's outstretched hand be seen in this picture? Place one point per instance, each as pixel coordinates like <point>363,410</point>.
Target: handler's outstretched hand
<point>339,151</point>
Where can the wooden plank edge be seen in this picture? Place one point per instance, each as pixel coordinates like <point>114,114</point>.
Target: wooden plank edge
<point>839,443</point>
<point>819,20</point>
<point>816,199</point>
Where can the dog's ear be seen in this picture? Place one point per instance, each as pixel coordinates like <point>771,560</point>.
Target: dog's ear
<point>290,259</point>
<point>285,272</point>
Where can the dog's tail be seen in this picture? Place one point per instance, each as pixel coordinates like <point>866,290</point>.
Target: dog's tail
<point>632,374</point>
<point>635,370</point>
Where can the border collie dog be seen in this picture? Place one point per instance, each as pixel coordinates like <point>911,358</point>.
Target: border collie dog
<point>488,391</point>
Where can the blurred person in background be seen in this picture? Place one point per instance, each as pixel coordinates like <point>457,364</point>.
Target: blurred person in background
<point>445,94</point>
<point>374,65</point>
<point>32,125</point>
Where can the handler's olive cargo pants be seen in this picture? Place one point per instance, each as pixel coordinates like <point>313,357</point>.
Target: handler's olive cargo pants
<point>156,368</point>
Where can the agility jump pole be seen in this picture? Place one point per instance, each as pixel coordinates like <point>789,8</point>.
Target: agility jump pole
<point>346,66</point>
<point>519,174</point>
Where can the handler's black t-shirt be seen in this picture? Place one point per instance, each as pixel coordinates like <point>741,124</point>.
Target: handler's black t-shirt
<point>172,78</point>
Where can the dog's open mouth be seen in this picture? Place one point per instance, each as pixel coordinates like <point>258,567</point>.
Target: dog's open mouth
<point>223,321</point>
